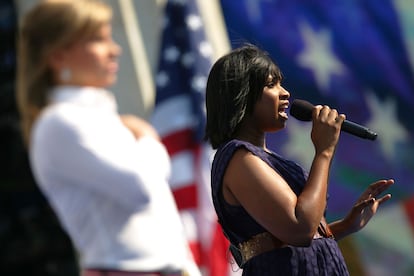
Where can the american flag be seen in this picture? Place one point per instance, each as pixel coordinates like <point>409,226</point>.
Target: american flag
<point>179,116</point>
<point>356,56</point>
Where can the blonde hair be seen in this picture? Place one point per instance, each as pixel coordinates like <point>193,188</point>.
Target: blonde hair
<point>49,26</point>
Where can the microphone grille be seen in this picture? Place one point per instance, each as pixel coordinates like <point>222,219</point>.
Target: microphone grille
<point>301,110</point>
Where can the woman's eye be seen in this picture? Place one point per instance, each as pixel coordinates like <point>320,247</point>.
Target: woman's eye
<point>98,38</point>
<point>270,84</point>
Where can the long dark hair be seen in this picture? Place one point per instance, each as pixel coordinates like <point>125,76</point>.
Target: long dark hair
<point>234,85</point>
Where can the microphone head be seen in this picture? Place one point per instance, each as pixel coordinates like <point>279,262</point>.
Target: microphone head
<point>301,110</point>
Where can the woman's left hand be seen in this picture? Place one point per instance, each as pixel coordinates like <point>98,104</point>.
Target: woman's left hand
<point>367,204</point>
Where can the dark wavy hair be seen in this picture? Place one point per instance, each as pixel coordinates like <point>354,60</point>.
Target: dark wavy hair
<point>234,85</point>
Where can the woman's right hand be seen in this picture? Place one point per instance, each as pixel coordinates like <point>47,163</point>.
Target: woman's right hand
<point>139,127</point>
<point>326,128</point>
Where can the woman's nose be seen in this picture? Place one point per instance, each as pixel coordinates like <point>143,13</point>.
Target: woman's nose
<point>286,93</point>
<point>116,49</point>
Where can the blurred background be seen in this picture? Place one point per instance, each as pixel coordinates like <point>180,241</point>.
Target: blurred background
<point>356,56</point>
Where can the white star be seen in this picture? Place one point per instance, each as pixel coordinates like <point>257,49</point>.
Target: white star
<point>384,120</point>
<point>165,22</point>
<point>405,10</point>
<point>299,146</point>
<point>171,53</point>
<point>392,214</point>
<point>198,83</point>
<point>162,79</point>
<point>205,49</point>
<point>318,56</point>
<point>254,11</point>
<point>187,59</point>
<point>194,22</point>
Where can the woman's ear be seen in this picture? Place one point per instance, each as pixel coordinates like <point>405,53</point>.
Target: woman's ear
<point>56,60</point>
<point>58,65</point>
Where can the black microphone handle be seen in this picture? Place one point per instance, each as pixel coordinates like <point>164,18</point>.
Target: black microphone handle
<point>302,110</point>
<point>358,130</point>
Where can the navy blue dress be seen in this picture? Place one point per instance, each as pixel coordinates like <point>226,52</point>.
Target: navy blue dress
<point>322,257</point>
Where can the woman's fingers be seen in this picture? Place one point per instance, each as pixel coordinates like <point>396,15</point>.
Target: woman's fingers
<point>384,198</point>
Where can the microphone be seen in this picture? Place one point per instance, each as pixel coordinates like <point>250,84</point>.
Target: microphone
<point>302,110</point>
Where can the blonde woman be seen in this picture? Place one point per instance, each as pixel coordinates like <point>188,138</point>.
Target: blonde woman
<point>104,174</point>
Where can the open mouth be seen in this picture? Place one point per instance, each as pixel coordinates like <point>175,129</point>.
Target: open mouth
<point>283,114</point>
<point>282,111</point>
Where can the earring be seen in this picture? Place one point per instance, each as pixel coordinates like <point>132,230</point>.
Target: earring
<point>65,74</point>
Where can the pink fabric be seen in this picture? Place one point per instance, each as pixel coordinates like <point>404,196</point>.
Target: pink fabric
<point>98,272</point>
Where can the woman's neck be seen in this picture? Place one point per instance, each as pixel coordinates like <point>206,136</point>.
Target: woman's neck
<point>252,136</point>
